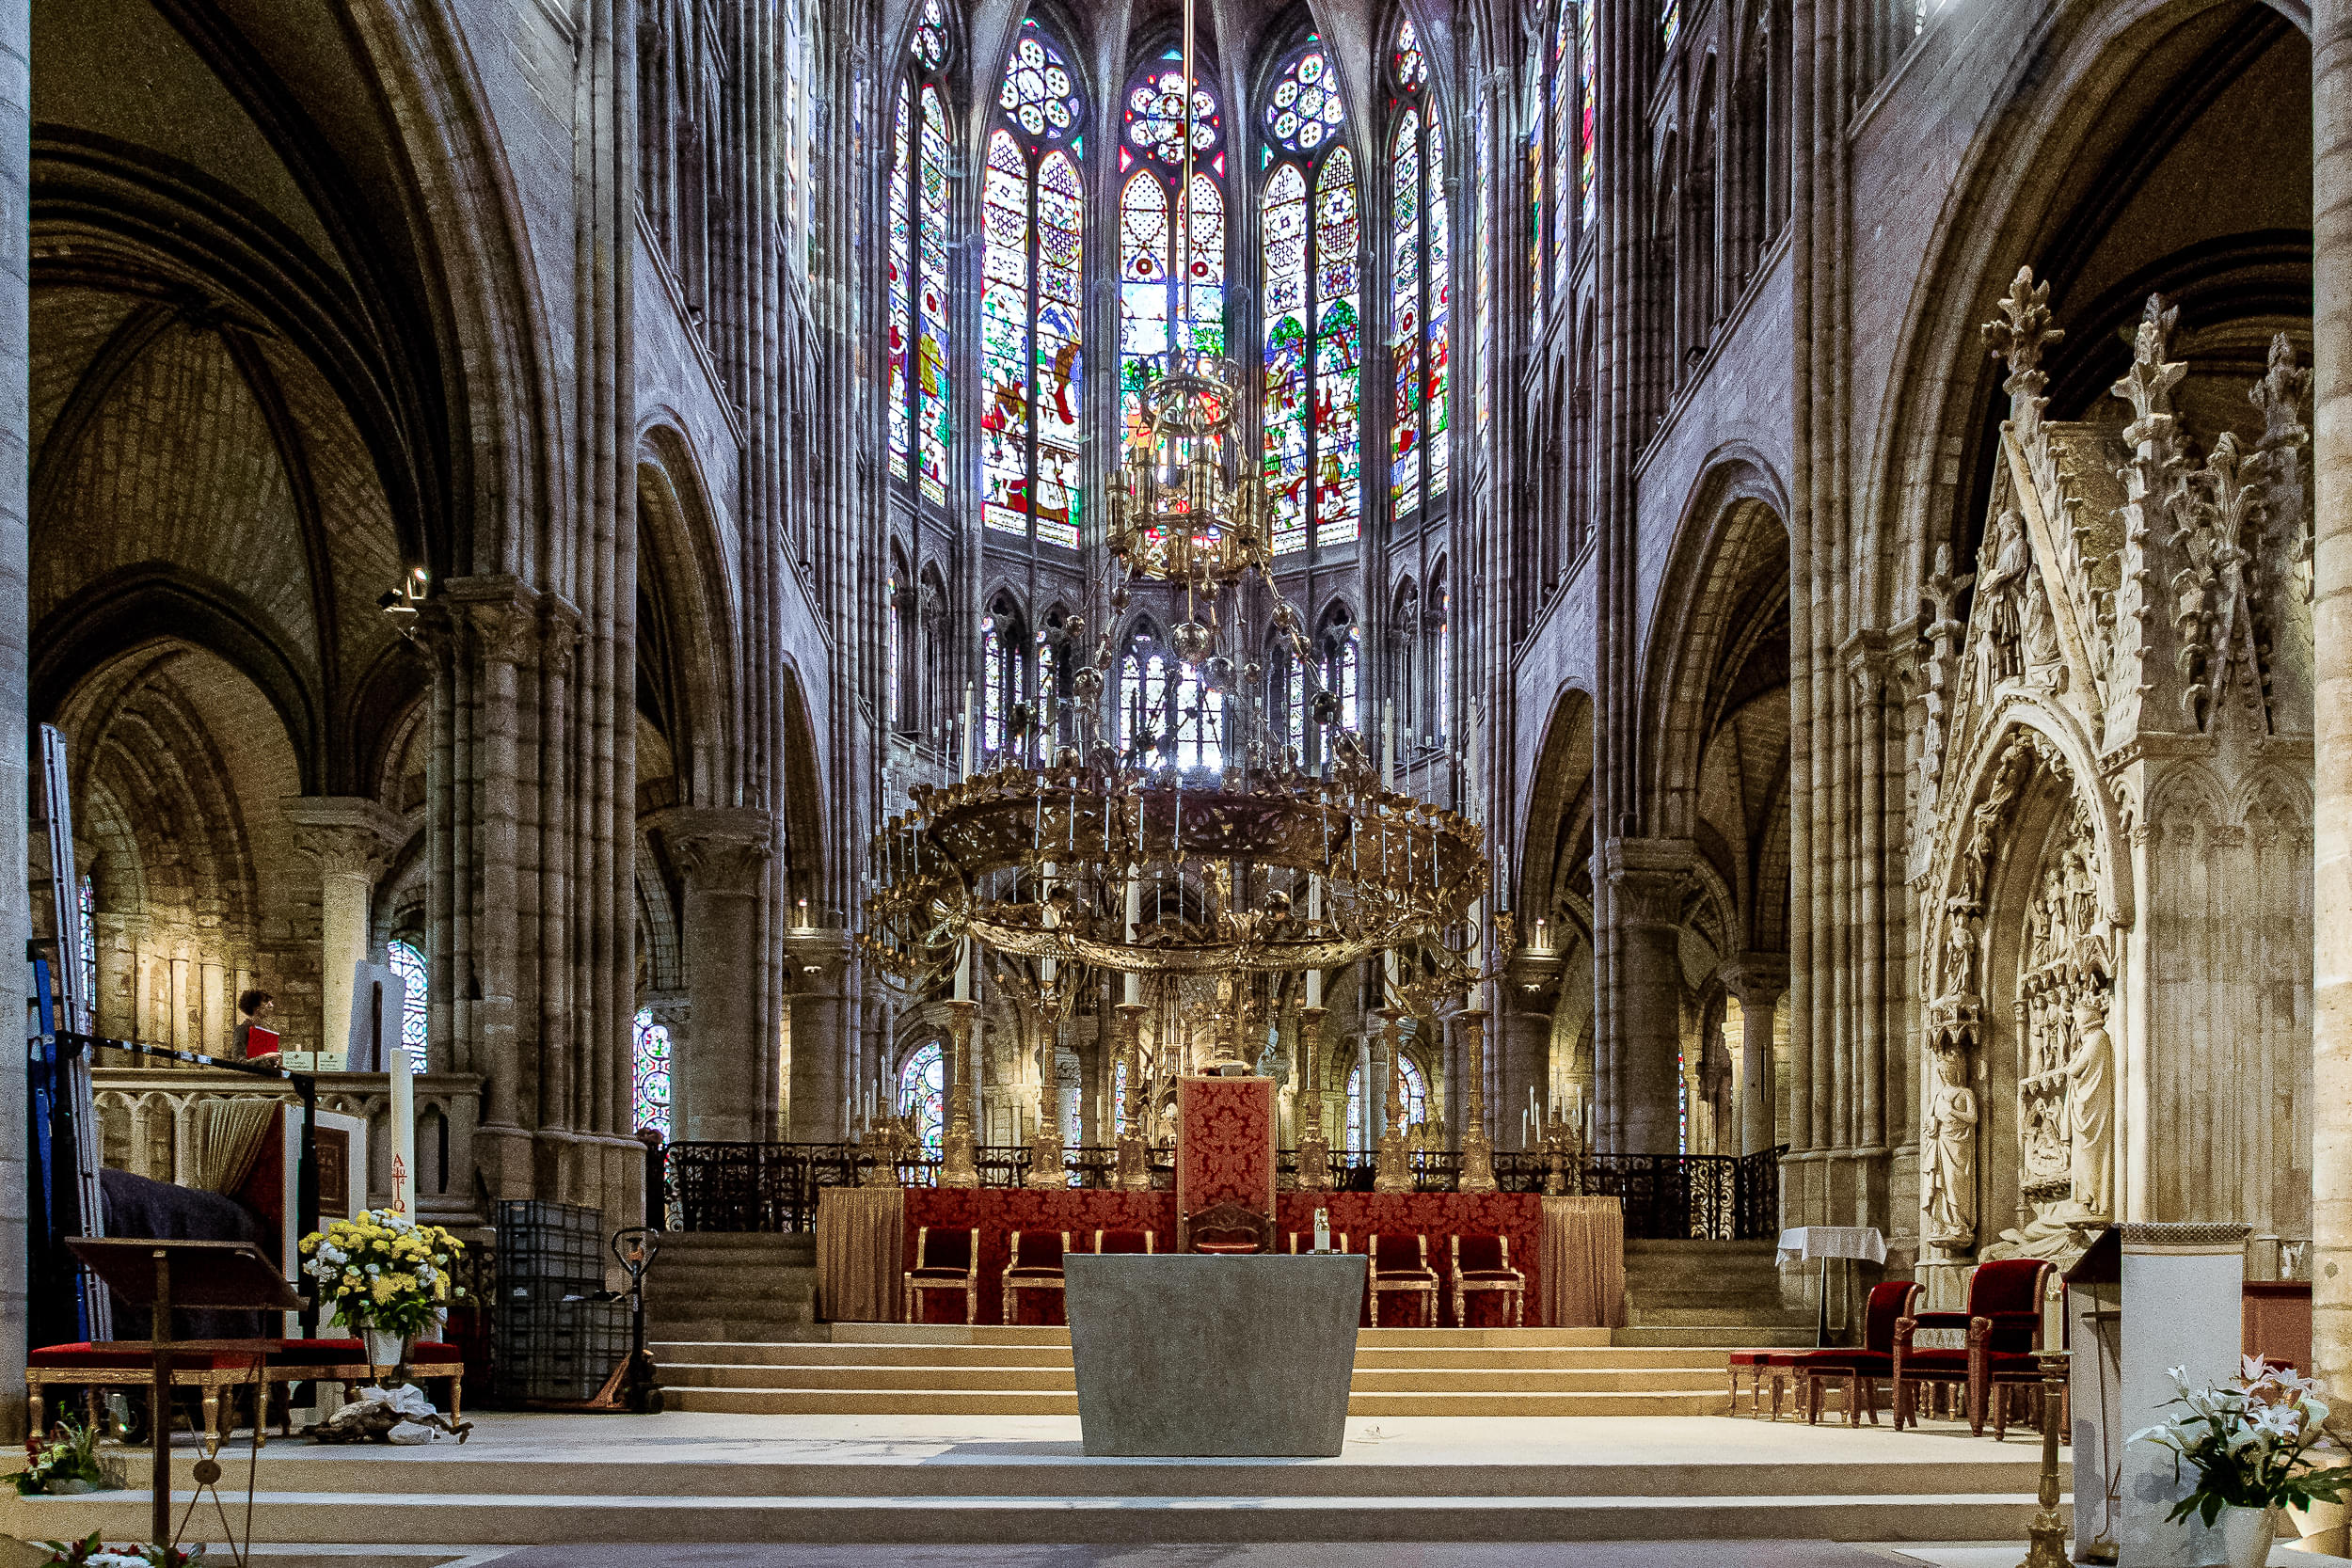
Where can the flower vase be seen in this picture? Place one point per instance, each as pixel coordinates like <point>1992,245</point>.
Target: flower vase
<point>385,1348</point>
<point>2247,1534</point>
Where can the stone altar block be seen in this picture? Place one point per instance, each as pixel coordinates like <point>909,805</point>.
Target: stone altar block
<point>1192,1356</point>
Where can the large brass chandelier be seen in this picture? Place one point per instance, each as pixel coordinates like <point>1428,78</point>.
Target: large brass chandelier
<point>1104,855</point>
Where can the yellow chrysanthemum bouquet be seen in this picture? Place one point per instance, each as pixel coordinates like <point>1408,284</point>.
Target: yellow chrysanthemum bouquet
<point>381,1270</point>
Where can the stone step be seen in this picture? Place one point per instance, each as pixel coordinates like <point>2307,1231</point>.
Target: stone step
<point>309,1469</point>
<point>969,1402</point>
<point>992,1334</point>
<point>752,1333</point>
<point>1726,1336</point>
<point>570,1518</point>
<point>1062,1379</point>
<point>839,1353</point>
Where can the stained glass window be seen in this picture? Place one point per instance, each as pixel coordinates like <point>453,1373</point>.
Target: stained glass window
<point>650,1059</point>
<point>1118,1095</point>
<point>923,1097</point>
<point>892,711</point>
<point>1567,59</point>
<point>1537,206</point>
<point>1031,267</point>
<point>995,686</point>
<point>1152,267</point>
<point>1584,110</point>
<point>931,35</point>
<point>1419,288</point>
<point>1442,656</point>
<point>1340,672</point>
<point>1670,22</point>
<point>1199,723</point>
<point>1412,66</point>
<point>1313,325</point>
<point>1416,1105</point>
<point>86,924</point>
<point>409,963</point>
<point>917,266</point>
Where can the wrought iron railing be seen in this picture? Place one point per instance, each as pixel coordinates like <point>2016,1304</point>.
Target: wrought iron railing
<point>761,1186</point>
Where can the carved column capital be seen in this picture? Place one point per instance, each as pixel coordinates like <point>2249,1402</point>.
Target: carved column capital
<point>1755,980</point>
<point>1649,877</point>
<point>497,613</point>
<point>718,849</point>
<point>347,835</point>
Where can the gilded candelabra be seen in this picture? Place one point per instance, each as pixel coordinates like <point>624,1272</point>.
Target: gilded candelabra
<point>1478,1153</point>
<point>1392,1170</point>
<point>959,1165</point>
<point>1314,1149</point>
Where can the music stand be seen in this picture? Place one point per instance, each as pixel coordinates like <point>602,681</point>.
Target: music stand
<point>223,1276</point>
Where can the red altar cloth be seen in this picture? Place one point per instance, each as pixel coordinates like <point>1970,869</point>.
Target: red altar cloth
<point>1000,1211</point>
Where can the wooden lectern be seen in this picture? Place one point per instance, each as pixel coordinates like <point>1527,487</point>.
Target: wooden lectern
<point>222,1275</point>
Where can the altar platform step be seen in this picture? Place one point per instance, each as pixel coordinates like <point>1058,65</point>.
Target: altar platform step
<point>682,1479</point>
<point>901,1369</point>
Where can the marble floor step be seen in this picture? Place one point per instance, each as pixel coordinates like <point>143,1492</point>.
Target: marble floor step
<point>328,1470</point>
<point>564,1517</point>
<point>990,1334</point>
<point>1368,1354</point>
<point>740,1401</point>
<point>1382,1380</point>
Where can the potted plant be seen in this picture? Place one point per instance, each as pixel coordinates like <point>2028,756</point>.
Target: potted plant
<point>388,1279</point>
<point>94,1553</point>
<point>65,1462</point>
<point>2252,1443</point>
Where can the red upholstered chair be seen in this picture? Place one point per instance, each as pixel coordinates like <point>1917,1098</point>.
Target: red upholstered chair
<point>946,1260</point>
<point>1401,1264</point>
<point>1762,1366</point>
<point>1304,1240</point>
<point>2004,1327</point>
<point>1859,1371</point>
<point>1125,1241</point>
<point>1484,1263</point>
<point>1032,1262</point>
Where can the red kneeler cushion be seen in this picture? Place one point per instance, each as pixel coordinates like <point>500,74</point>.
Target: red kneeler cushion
<point>347,1352</point>
<point>83,1355</point>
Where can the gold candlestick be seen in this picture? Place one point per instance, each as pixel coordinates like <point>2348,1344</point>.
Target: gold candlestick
<point>958,1167</point>
<point>2045,1539</point>
<point>1478,1153</point>
<point>1392,1164</point>
<point>1135,1149</point>
<point>1046,1171</point>
<point>1314,1149</point>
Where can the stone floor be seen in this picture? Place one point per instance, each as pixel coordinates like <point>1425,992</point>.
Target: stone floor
<point>537,1490</point>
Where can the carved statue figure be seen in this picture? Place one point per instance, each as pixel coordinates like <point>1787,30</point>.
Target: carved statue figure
<point>2000,592</point>
<point>1959,951</point>
<point>1947,1153</point>
<point>2090,1110</point>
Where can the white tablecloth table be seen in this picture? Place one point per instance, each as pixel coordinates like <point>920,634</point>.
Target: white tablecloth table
<point>1805,1243</point>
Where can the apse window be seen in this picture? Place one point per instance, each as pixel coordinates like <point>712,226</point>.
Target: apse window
<point>923,1097</point>
<point>408,962</point>
<point>652,1074</point>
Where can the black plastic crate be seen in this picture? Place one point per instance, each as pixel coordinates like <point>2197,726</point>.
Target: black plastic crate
<point>562,1242</point>
<point>559,1350</point>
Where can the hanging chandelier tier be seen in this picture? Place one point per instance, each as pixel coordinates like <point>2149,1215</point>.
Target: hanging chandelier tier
<point>1145,872</point>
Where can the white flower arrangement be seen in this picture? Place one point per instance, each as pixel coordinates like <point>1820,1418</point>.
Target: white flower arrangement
<point>2250,1441</point>
<point>383,1270</point>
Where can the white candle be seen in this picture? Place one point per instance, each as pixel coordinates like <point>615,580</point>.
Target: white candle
<point>1315,911</point>
<point>970,739</point>
<point>403,1118</point>
<point>1133,991</point>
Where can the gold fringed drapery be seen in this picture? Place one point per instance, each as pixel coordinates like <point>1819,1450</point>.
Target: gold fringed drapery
<point>858,1238</point>
<point>233,1133</point>
<point>1581,1278</point>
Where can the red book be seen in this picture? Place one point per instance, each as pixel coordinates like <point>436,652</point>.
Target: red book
<point>260,1042</point>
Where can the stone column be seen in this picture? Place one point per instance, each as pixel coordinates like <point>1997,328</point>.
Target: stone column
<point>351,837</point>
<point>1756,980</point>
<point>1647,878</point>
<point>717,1068</point>
<point>820,1018</point>
<point>2331,462</point>
<point>1526,1050</point>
